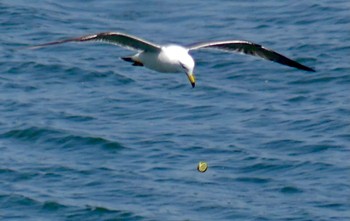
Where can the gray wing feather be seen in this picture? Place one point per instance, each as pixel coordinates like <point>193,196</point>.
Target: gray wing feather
<point>120,39</point>
<point>250,48</point>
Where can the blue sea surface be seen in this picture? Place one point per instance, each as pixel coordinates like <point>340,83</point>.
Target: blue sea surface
<point>87,136</point>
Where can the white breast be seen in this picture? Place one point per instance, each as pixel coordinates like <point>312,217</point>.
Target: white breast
<point>168,60</point>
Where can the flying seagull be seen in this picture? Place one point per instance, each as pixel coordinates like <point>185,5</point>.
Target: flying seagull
<point>175,58</point>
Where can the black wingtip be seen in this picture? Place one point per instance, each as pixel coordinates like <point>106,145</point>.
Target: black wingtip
<point>305,68</point>
<point>312,70</point>
<point>291,63</point>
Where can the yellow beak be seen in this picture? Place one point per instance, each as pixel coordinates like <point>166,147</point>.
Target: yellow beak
<point>192,79</point>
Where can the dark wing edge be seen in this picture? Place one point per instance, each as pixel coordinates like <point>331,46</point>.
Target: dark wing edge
<point>120,39</point>
<point>250,48</point>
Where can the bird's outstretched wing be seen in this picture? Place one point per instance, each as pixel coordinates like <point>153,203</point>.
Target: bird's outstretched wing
<point>116,38</point>
<point>250,48</point>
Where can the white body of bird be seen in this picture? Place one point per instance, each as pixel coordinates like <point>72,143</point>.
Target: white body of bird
<point>171,59</point>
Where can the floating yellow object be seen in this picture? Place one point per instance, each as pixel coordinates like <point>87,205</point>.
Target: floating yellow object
<point>202,166</point>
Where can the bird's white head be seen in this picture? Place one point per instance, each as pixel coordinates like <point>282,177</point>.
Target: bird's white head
<point>179,56</point>
<point>187,64</point>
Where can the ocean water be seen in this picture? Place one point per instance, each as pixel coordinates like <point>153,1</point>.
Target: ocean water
<point>86,136</point>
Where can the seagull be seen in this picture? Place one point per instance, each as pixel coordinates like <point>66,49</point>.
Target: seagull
<point>172,58</point>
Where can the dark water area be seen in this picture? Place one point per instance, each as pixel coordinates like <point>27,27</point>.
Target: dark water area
<point>86,136</point>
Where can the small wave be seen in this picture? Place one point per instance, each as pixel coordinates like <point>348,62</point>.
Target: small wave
<point>19,200</point>
<point>100,212</point>
<point>60,70</point>
<point>61,138</point>
<point>52,206</point>
<point>79,140</point>
<point>266,167</point>
<point>314,80</point>
<point>290,190</point>
<point>297,99</point>
<point>256,180</point>
<point>16,202</point>
<point>316,148</point>
<point>31,133</point>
